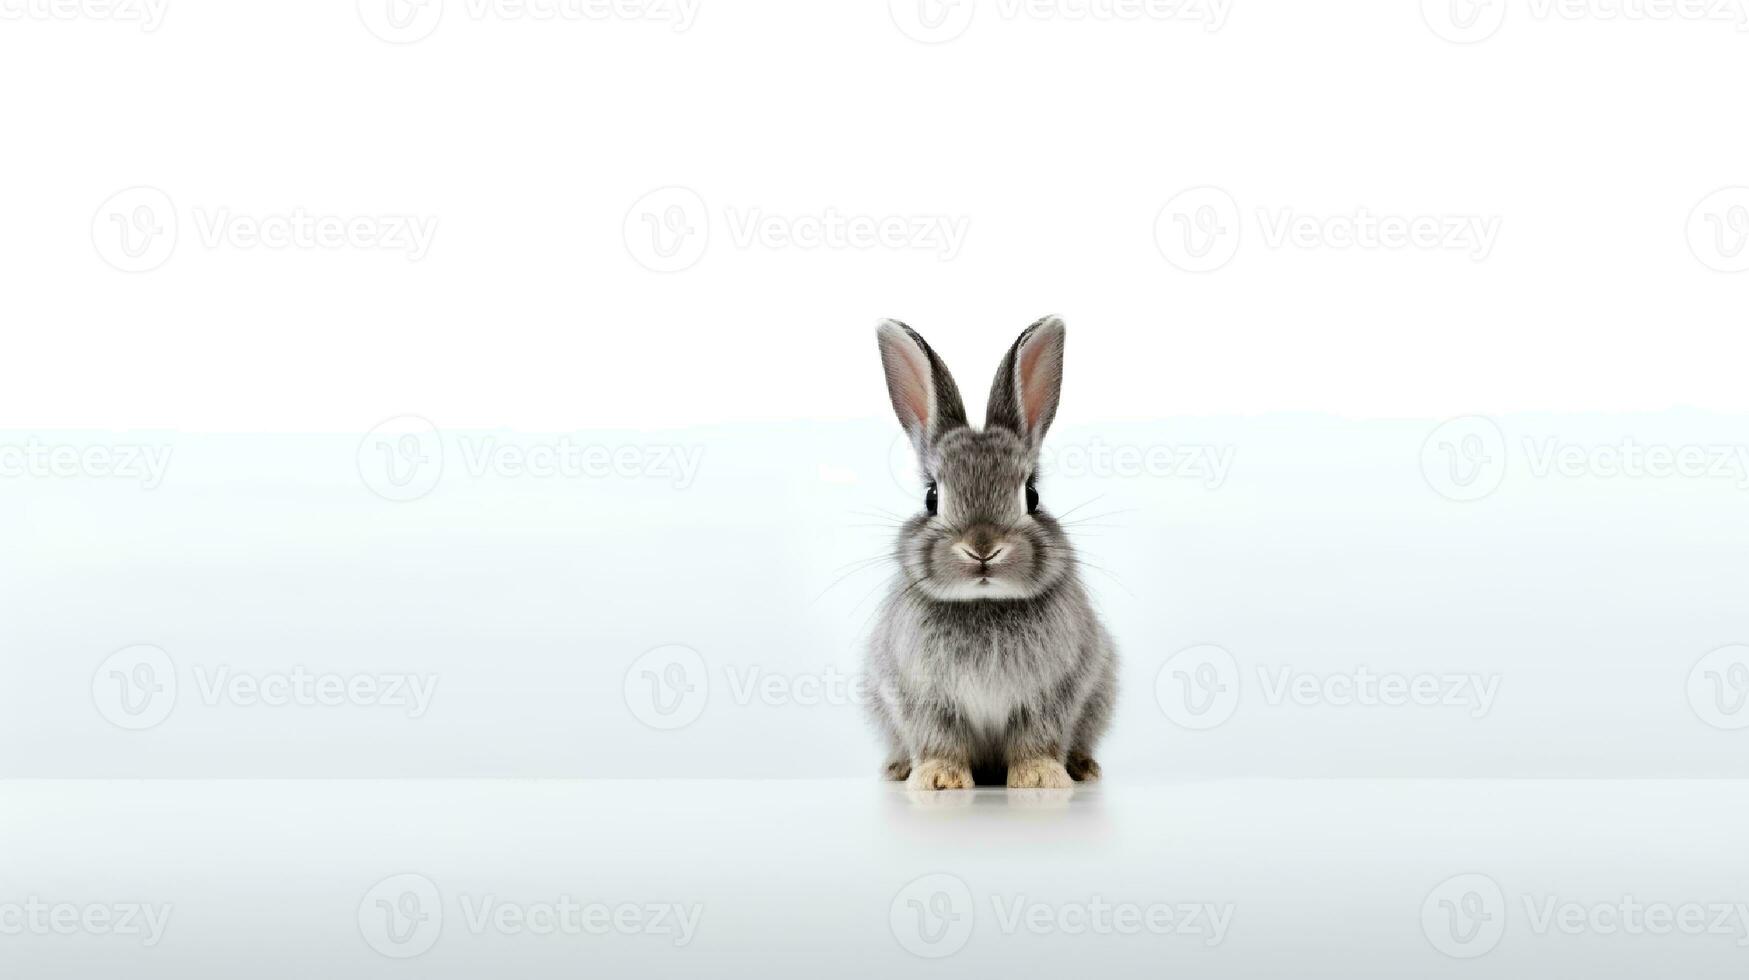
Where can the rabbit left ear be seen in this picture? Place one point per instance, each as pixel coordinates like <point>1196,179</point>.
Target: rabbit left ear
<point>923,393</point>
<point>1029,382</point>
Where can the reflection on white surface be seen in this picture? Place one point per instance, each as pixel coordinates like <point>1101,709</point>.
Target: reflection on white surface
<point>858,878</point>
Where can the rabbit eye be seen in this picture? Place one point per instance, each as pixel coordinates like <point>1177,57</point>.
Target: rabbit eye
<point>931,500</point>
<point>1031,499</point>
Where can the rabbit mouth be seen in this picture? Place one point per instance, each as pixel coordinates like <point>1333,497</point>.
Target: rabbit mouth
<point>982,584</point>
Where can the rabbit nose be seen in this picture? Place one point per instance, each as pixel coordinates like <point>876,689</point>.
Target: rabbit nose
<point>981,547</point>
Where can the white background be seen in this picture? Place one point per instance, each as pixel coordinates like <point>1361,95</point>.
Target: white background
<point>1386,413</point>
<point>1060,140</point>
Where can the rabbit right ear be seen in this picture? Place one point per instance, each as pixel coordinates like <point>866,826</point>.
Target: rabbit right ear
<point>924,395</point>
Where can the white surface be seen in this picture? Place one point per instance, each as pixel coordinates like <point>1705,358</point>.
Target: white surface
<point>1314,878</point>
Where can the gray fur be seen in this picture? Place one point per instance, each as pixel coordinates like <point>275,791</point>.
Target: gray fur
<point>986,665</point>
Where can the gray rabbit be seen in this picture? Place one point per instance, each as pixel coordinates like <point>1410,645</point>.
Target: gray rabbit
<point>987,658</point>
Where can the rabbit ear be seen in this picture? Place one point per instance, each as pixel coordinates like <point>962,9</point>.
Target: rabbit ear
<point>1024,397</point>
<point>923,393</point>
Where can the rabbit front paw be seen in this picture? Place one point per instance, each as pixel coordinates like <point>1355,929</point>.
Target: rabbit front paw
<point>931,774</point>
<point>1041,773</point>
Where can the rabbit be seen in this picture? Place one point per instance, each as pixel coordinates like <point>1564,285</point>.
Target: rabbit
<point>987,658</point>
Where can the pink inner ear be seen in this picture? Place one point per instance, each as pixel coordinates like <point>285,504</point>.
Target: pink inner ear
<point>911,387</point>
<point>1034,395</point>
